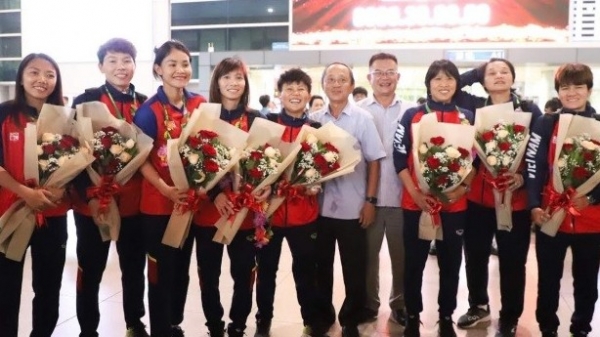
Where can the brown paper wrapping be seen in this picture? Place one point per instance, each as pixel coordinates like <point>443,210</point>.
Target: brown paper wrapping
<point>570,126</point>
<point>261,132</point>
<point>18,223</point>
<point>206,117</point>
<point>92,117</point>
<point>485,119</point>
<point>457,135</point>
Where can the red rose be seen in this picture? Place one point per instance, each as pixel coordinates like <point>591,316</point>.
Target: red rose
<point>113,167</point>
<point>110,130</point>
<point>335,166</point>
<point>256,155</point>
<point>255,173</point>
<point>519,128</point>
<point>329,147</point>
<point>106,142</point>
<point>580,173</point>
<point>49,149</point>
<point>433,163</point>
<point>320,162</point>
<point>68,142</point>
<point>454,167</point>
<point>487,136</point>
<point>441,181</point>
<point>208,134</point>
<point>437,141</point>
<point>211,166</point>
<point>305,147</point>
<point>504,146</point>
<point>194,142</point>
<point>567,147</point>
<point>208,150</point>
<point>464,153</point>
<point>588,156</point>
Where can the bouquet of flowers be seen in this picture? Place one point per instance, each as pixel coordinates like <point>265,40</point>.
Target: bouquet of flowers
<point>207,149</point>
<point>52,158</point>
<point>576,168</point>
<point>325,153</point>
<point>262,162</point>
<point>119,149</point>
<point>501,141</point>
<point>442,157</point>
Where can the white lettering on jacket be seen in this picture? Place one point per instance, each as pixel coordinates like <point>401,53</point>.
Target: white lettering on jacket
<point>398,136</point>
<point>532,148</point>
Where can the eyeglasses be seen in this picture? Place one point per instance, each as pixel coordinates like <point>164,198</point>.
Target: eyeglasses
<point>387,73</point>
<point>340,81</point>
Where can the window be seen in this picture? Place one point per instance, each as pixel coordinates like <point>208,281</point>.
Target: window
<point>232,39</point>
<point>229,12</point>
<point>10,23</point>
<point>10,46</point>
<point>10,4</point>
<point>8,70</point>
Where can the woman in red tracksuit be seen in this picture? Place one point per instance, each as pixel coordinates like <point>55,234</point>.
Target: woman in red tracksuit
<point>574,83</point>
<point>294,220</point>
<point>116,60</point>
<point>162,117</point>
<point>38,82</point>
<point>442,82</point>
<point>229,86</point>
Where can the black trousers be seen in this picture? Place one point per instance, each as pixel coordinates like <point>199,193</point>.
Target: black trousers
<point>513,247</point>
<point>449,257</point>
<point>302,243</point>
<point>352,243</point>
<point>92,254</point>
<point>209,255</point>
<point>551,251</point>
<point>48,254</point>
<point>168,276</point>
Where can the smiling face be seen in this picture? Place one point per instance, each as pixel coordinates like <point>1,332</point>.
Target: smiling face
<point>118,68</point>
<point>574,96</point>
<point>39,80</point>
<point>384,77</point>
<point>175,70</point>
<point>294,97</point>
<point>232,85</point>
<point>442,87</point>
<point>498,77</point>
<point>337,84</point>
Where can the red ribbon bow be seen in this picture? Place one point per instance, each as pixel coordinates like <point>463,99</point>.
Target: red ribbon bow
<point>563,200</point>
<point>436,207</point>
<point>287,190</point>
<point>40,219</point>
<point>104,192</point>
<point>244,199</point>
<point>192,201</point>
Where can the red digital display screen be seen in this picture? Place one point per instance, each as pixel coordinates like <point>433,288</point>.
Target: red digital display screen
<point>364,23</point>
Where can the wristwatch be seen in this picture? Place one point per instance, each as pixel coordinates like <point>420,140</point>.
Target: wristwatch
<point>372,200</point>
<point>466,186</point>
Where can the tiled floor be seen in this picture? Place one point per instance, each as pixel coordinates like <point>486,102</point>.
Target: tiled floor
<point>287,322</point>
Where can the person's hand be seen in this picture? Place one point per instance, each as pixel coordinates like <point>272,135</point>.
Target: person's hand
<point>514,181</point>
<point>539,216</point>
<point>262,194</point>
<point>367,215</point>
<point>580,202</point>
<point>57,193</point>
<point>456,194</point>
<point>38,199</point>
<point>424,201</point>
<point>224,205</point>
<point>313,190</point>
<point>174,194</point>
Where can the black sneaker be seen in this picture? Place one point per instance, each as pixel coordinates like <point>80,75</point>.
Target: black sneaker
<point>413,324</point>
<point>579,334</point>
<point>233,332</point>
<point>137,331</point>
<point>446,327</point>
<point>506,330</point>
<point>350,331</point>
<point>549,333</point>
<point>398,316</point>
<point>475,316</point>
<point>216,332</point>
<point>367,315</point>
<point>263,328</point>
<point>310,331</point>
<point>176,331</point>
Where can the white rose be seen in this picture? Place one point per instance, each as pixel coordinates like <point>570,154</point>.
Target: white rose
<point>492,160</point>
<point>310,173</point>
<point>423,149</point>
<point>452,152</point>
<point>193,158</point>
<point>130,144</point>
<point>270,152</point>
<point>273,163</point>
<point>311,139</point>
<point>47,137</point>
<point>40,150</point>
<point>506,161</point>
<point>330,156</point>
<point>491,146</point>
<point>561,163</point>
<point>502,134</point>
<point>61,161</point>
<point>116,149</point>
<point>43,164</point>
<point>588,145</point>
<point>568,140</point>
<point>124,157</point>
